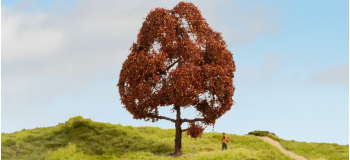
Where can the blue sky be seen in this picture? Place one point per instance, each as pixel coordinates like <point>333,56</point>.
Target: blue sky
<point>62,59</point>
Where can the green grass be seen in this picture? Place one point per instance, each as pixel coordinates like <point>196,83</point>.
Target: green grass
<point>311,151</point>
<point>317,151</point>
<point>80,138</point>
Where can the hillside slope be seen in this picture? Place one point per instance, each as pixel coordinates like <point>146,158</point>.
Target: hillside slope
<point>317,151</point>
<point>278,145</point>
<point>80,138</point>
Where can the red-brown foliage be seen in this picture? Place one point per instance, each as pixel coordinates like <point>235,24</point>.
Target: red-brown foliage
<point>195,130</point>
<point>191,66</point>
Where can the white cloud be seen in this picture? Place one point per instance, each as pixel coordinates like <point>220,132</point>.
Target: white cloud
<point>24,37</point>
<point>269,67</point>
<point>47,54</point>
<point>338,75</point>
<point>248,72</point>
<point>259,75</point>
<point>241,25</point>
<point>97,34</point>
<point>245,76</point>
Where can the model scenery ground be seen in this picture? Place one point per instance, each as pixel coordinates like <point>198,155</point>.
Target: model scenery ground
<point>80,138</point>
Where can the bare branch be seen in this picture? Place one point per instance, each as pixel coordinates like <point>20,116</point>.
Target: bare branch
<point>171,65</point>
<point>184,130</point>
<point>159,71</point>
<point>166,118</point>
<point>192,120</point>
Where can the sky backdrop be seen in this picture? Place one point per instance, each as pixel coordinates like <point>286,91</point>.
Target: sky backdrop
<point>61,59</point>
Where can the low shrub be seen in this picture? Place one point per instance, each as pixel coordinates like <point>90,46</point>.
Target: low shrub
<point>265,134</point>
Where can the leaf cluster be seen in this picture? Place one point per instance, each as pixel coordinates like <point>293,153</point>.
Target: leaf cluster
<point>195,130</point>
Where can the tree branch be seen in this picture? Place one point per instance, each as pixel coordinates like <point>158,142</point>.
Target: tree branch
<point>159,71</point>
<point>166,118</point>
<point>171,65</point>
<point>184,130</point>
<point>192,120</point>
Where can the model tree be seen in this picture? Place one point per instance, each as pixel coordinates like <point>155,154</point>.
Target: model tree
<point>179,61</point>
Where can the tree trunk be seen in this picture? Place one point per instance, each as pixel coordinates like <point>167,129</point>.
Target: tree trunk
<point>178,151</point>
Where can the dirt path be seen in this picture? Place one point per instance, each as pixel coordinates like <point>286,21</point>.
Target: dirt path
<point>278,145</point>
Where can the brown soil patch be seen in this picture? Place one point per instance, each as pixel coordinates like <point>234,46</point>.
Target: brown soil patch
<point>278,145</point>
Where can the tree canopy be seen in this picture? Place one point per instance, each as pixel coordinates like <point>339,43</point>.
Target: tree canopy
<point>178,60</point>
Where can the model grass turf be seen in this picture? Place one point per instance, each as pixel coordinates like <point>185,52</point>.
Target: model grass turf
<point>312,151</point>
<point>80,138</point>
<point>317,151</point>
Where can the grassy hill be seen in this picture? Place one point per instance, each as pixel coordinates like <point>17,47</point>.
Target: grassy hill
<point>80,138</point>
<point>312,151</point>
<point>317,151</point>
